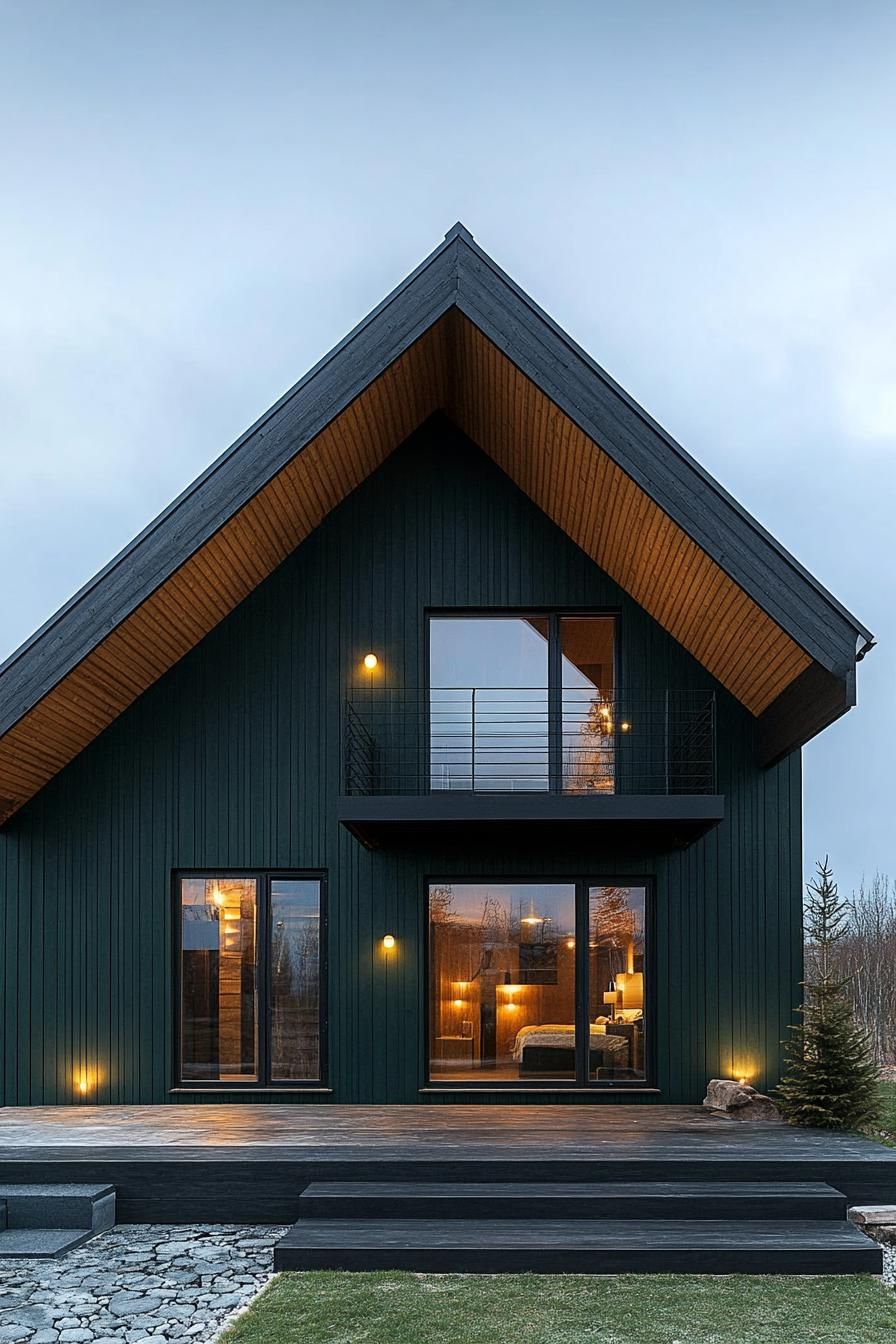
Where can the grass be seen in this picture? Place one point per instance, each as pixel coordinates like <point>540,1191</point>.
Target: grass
<point>393,1308</point>
<point>887,1121</point>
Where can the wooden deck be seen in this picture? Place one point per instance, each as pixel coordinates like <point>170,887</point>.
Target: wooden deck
<point>250,1163</point>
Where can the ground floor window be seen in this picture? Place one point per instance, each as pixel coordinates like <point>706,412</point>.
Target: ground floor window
<point>250,957</point>
<point>540,982</point>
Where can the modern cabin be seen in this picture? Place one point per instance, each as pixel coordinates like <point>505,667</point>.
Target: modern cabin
<point>440,743</point>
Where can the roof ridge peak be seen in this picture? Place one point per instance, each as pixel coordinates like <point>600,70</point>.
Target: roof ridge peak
<point>459,230</point>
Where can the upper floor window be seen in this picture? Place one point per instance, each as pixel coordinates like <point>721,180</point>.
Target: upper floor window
<point>250,953</point>
<point>522,702</point>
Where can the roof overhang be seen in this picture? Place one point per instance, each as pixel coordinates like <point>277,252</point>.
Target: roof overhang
<point>458,336</point>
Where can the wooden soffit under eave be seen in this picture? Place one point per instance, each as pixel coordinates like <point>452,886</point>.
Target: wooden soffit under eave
<point>217,577</point>
<point>452,367</point>
<point>617,523</point>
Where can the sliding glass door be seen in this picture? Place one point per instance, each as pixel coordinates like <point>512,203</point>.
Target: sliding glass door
<point>536,983</point>
<point>522,703</point>
<point>489,703</point>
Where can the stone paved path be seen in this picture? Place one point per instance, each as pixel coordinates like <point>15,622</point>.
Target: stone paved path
<point>137,1283</point>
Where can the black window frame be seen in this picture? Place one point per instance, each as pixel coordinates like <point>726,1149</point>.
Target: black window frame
<point>554,688</point>
<point>263,877</point>
<point>581,1082</point>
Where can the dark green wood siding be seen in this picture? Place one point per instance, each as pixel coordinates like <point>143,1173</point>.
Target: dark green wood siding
<point>234,759</point>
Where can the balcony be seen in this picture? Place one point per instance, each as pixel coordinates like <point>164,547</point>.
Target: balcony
<point>526,763</point>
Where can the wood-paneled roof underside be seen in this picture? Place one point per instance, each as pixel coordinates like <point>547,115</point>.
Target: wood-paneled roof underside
<point>263,498</point>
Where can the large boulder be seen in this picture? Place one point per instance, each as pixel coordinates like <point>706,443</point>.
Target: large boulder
<point>739,1101</point>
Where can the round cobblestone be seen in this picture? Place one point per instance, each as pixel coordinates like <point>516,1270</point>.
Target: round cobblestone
<point>137,1283</point>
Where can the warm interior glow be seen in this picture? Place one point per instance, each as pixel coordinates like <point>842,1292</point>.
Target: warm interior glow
<point>388,941</point>
<point>370,661</point>
<point>503,981</point>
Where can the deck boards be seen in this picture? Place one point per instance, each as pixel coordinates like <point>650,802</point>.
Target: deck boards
<point>608,1132</point>
<point>249,1163</point>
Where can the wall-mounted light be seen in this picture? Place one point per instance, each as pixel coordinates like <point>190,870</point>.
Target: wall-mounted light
<point>388,941</point>
<point>570,943</point>
<point>625,727</point>
<point>83,1082</point>
<point>370,661</point>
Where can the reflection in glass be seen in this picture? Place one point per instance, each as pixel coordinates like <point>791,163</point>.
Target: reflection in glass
<point>587,653</point>
<point>616,917</point>
<point>502,981</point>
<point>488,682</point>
<point>295,979</point>
<point>218,979</point>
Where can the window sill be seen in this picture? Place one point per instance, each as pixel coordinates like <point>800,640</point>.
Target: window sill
<point>596,1091</point>
<point>244,1091</point>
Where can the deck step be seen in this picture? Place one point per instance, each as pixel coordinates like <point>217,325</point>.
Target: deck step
<point>47,1220</point>
<point>796,1201</point>
<point>41,1243</point>
<point>579,1246</point>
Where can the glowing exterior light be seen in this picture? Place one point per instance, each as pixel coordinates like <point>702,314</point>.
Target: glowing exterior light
<point>625,727</point>
<point>370,661</point>
<point>388,942</point>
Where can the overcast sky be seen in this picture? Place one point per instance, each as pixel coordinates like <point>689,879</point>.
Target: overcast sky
<point>200,198</point>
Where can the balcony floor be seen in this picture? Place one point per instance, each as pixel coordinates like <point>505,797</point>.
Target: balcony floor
<point>668,821</point>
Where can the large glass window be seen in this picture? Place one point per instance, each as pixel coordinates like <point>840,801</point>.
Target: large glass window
<point>616,919</point>
<point>522,703</point>
<point>489,703</point>
<point>512,995</point>
<point>250,978</point>
<point>588,710</point>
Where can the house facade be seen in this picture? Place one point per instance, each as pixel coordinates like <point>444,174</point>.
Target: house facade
<point>441,743</point>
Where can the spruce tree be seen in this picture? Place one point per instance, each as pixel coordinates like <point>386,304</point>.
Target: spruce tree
<point>831,1080</point>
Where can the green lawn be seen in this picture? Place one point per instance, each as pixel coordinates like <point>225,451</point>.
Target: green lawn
<point>393,1308</point>
<point>888,1109</point>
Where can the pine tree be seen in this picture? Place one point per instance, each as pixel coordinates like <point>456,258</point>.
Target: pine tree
<point>830,1080</point>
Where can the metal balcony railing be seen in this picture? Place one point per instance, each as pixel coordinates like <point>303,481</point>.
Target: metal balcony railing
<point>525,740</point>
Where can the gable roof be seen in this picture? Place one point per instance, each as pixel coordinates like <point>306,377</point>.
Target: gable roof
<point>457,336</point>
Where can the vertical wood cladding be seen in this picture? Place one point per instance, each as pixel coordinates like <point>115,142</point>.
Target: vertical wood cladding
<point>234,759</point>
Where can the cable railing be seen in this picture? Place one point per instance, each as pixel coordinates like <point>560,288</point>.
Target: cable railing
<point>529,739</point>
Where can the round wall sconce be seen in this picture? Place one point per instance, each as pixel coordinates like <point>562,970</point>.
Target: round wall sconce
<point>388,942</point>
<point>370,661</point>
<point>625,727</point>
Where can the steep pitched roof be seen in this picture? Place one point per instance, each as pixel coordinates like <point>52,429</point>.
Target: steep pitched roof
<point>458,336</point>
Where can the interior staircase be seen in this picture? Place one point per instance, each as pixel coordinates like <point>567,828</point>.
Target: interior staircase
<point>43,1221</point>
<point>712,1227</point>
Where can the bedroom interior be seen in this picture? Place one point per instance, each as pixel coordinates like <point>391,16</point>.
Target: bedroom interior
<point>510,994</point>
